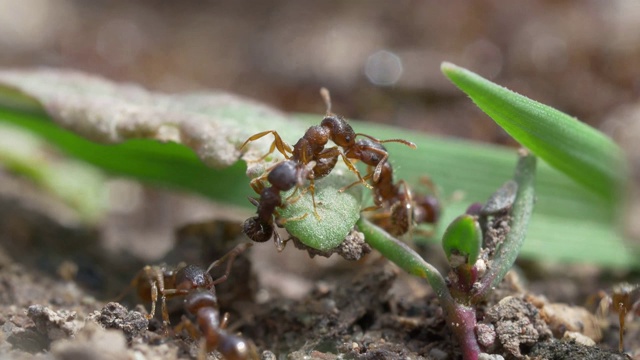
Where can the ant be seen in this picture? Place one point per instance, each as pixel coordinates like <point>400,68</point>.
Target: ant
<point>200,301</point>
<point>282,177</point>
<point>404,208</point>
<point>623,300</point>
<point>309,153</point>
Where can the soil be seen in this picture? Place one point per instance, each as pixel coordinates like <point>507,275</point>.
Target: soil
<point>59,282</point>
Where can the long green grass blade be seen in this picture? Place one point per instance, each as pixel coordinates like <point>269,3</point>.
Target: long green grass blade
<point>578,150</point>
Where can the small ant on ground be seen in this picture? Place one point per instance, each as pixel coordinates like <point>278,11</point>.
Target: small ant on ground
<point>198,288</point>
<point>622,302</point>
<point>309,160</point>
<point>403,208</point>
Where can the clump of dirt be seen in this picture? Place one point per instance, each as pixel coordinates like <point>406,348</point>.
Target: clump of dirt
<point>54,304</point>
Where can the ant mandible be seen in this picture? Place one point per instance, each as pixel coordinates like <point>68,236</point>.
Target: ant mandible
<point>198,288</point>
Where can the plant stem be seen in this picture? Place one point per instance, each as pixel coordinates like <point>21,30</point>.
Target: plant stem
<point>522,208</point>
<point>461,319</point>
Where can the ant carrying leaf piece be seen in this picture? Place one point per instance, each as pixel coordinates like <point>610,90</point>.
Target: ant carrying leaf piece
<point>197,287</point>
<point>310,160</point>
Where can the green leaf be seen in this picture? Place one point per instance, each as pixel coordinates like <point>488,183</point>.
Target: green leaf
<point>79,185</point>
<point>334,208</point>
<point>578,150</point>
<point>463,237</point>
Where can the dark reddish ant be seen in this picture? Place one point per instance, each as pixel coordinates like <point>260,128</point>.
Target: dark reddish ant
<point>198,288</point>
<point>404,208</point>
<point>310,152</point>
<point>282,177</point>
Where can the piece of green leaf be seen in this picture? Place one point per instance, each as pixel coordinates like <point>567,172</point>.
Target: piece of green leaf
<point>578,150</point>
<point>333,207</point>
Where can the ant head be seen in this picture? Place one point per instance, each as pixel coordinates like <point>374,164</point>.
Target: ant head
<point>340,131</point>
<point>193,277</point>
<point>257,230</point>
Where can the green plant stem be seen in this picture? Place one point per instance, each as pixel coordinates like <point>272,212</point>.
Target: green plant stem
<point>461,318</point>
<point>522,208</point>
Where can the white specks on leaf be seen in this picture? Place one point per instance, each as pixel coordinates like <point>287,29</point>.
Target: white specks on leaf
<point>213,124</point>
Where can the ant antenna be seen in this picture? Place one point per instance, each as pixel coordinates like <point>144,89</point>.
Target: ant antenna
<point>402,141</point>
<point>324,92</point>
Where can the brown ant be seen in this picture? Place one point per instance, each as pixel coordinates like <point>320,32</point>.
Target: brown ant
<point>404,208</point>
<point>198,288</point>
<point>623,300</point>
<point>282,177</point>
<point>313,160</point>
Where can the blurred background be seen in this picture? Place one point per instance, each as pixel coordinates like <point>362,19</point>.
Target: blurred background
<point>380,60</point>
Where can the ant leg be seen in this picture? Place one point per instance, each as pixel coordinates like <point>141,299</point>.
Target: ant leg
<point>407,203</point>
<point>154,290</point>
<point>366,177</point>
<point>225,321</point>
<point>353,169</point>
<point>297,218</point>
<point>378,169</point>
<point>231,256</point>
<point>312,188</point>
<point>186,324</point>
<point>277,240</point>
<point>289,199</point>
<point>163,297</point>
<point>277,143</point>
<point>374,208</point>
<point>257,184</point>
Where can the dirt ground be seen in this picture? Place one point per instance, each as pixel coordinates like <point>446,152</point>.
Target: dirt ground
<point>58,286</point>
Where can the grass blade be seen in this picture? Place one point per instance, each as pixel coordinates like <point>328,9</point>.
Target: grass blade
<point>578,150</point>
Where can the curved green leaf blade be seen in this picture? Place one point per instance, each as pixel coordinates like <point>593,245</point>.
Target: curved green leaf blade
<point>578,150</point>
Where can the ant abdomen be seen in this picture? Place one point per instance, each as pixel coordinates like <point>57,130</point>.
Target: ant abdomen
<point>257,230</point>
